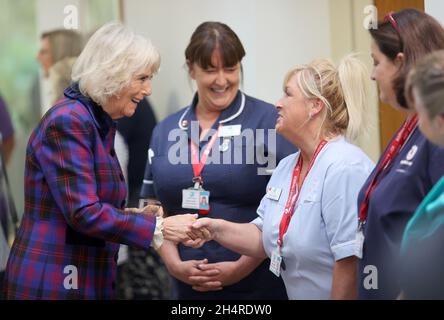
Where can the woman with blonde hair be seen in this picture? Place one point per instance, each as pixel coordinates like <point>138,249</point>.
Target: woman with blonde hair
<point>307,219</point>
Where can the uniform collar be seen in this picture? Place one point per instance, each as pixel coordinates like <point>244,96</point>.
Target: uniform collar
<point>228,114</point>
<point>101,119</point>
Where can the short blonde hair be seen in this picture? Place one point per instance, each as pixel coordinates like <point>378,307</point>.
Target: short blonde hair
<point>342,89</point>
<point>427,77</point>
<point>110,59</point>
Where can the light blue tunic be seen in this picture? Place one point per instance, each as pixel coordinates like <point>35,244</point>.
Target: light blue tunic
<point>323,227</point>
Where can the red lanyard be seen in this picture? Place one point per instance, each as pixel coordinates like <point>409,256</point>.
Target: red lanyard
<point>289,207</point>
<point>199,165</point>
<point>391,152</point>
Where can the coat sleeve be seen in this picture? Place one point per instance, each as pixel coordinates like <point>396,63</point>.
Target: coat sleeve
<point>67,161</point>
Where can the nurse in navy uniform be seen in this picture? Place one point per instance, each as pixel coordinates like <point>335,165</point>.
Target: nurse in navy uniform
<point>409,166</point>
<point>221,148</point>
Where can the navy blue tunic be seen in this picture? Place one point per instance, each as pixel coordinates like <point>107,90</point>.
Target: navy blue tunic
<point>412,174</point>
<point>235,185</point>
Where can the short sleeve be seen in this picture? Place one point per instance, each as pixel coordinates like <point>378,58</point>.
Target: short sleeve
<point>259,221</point>
<point>339,210</point>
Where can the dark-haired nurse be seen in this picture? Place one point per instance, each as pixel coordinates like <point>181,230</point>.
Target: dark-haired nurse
<point>236,135</point>
<point>410,165</point>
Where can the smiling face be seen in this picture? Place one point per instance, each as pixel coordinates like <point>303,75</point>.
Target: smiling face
<point>125,103</point>
<point>217,85</point>
<point>384,71</point>
<point>293,110</point>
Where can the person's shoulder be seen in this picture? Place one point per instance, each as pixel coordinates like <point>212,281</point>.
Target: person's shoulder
<point>67,111</point>
<point>173,120</point>
<point>288,161</point>
<point>418,144</point>
<point>345,154</point>
<point>259,105</point>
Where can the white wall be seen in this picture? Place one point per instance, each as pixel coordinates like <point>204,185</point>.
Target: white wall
<point>276,35</point>
<point>435,8</point>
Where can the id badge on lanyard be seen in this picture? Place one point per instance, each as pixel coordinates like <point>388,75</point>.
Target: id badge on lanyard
<point>391,152</point>
<point>276,261</point>
<point>196,198</point>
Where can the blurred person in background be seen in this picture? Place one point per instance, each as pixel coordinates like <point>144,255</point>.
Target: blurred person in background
<point>6,147</point>
<point>58,51</point>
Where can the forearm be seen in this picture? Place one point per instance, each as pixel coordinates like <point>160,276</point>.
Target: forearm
<point>247,264</point>
<point>344,279</point>
<point>244,238</point>
<point>169,254</point>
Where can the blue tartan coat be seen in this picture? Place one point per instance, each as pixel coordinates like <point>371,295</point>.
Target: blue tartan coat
<point>68,240</point>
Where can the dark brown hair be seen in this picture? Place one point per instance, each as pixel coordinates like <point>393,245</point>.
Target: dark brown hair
<point>418,35</point>
<point>210,36</point>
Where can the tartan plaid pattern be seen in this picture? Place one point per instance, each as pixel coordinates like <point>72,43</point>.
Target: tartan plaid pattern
<point>74,200</point>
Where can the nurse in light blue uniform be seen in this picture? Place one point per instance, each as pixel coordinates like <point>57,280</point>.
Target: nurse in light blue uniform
<point>323,227</point>
<point>307,219</point>
<point>244,149</point>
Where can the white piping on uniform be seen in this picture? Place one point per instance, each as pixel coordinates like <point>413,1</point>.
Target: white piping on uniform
<point>148,181</point>
<point>241,108</point>
<point>238,112</point>
<point>181,118</point>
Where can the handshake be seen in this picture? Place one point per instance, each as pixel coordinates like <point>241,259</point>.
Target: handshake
<point>181,228</point>
<point>188,230</point>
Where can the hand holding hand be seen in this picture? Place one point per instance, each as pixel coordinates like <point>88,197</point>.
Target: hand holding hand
<point>228,274</point>
<point>191,272</point>
<point>177,228</point>
<point>206,228</point>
